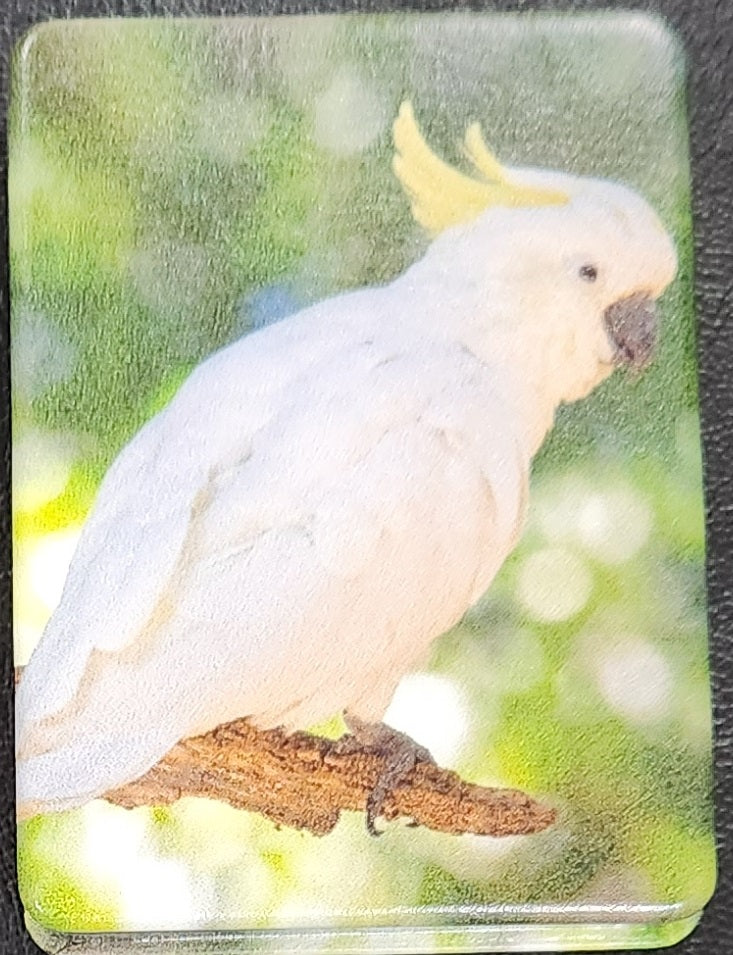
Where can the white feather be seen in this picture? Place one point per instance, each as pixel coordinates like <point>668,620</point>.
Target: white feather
<point>319,502</point>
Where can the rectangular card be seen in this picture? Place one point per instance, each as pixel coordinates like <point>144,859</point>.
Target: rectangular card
<point>359,583</point>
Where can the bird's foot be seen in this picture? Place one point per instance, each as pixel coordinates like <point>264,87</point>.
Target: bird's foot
<point>399,755</point>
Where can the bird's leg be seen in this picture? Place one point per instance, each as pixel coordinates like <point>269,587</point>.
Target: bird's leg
<point>399,754</point>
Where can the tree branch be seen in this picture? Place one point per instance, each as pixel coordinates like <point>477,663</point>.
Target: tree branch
<point>306,781</point>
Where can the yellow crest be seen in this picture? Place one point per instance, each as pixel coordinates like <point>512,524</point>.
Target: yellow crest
<point>441,195</point>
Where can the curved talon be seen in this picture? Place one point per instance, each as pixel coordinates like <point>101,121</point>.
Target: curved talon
<point>388,780</point>
<point>400,755</point>
<point>373,810</point>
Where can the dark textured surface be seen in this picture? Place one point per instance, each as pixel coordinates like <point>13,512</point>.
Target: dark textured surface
<point>706,27</point>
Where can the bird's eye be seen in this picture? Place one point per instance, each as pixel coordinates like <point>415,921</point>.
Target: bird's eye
<point>588,273</point>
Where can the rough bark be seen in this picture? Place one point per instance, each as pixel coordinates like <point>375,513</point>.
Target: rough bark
<point>306,781</point>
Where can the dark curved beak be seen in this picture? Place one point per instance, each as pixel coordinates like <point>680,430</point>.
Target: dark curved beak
<point>632,324</point>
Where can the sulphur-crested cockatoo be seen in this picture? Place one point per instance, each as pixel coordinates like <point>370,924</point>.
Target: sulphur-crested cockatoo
<point>326,496</point>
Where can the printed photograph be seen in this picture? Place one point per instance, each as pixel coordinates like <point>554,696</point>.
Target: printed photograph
<point>358,522</point>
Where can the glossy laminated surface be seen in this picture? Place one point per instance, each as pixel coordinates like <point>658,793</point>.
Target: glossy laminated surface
<point>178,186</point>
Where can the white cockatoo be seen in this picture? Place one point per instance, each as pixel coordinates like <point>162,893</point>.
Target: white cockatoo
<point>326,496</point>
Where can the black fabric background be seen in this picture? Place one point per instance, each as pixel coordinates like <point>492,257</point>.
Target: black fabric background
<point>706,27</point>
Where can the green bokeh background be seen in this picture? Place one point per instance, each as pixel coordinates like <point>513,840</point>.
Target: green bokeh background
<point>174,185</point>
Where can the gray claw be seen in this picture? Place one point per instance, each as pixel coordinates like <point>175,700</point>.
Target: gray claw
<point>400,755</point>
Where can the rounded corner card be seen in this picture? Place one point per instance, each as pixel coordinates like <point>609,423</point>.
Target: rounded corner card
<point>359,593</point>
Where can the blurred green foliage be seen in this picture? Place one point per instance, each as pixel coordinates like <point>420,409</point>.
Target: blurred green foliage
<point>174,185</point>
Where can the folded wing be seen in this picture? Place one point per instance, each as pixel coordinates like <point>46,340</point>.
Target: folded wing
<point>298,561</point>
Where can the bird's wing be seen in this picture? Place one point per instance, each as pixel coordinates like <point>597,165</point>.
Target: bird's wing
<point>367,515</point>
<point>380,548</point>
<point>135,535</point>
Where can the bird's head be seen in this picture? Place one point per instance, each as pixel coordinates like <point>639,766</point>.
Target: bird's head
<point>578,262</point>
